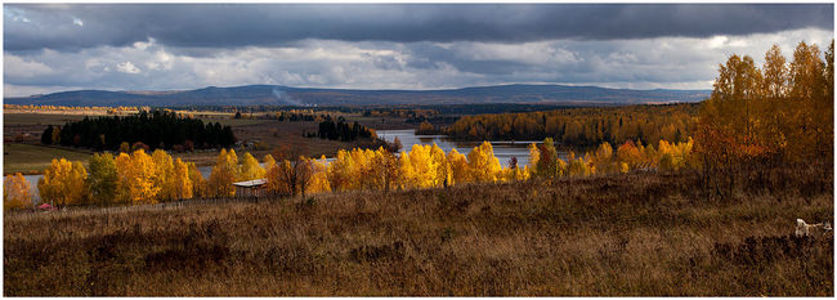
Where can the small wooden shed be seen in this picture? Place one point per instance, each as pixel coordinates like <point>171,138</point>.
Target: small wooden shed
<point>250,188</point>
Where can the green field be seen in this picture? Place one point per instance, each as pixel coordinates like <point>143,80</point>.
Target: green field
<point>29,159</point>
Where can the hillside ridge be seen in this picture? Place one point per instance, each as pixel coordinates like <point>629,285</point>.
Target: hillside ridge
<point>298,96</point>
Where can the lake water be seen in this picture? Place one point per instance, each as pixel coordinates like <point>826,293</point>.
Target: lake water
<point>503,150</point>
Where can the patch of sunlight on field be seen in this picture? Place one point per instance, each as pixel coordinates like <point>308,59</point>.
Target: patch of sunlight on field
<point>27,158</point>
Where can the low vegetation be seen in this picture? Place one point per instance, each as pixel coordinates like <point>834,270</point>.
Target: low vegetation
<point>624,235</point>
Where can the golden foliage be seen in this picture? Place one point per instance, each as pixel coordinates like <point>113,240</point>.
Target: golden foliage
<point>181,181</point>
<point>485,167</point>
<point>224,173</point>
<point>250,168</point>
<point>781,111</point>
<point>16,192</point>
<point>64,183</point>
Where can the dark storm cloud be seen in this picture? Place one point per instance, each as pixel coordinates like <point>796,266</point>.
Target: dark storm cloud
<point>74,27</point>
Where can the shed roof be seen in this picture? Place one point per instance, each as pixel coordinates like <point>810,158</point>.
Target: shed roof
<point>251,183</point>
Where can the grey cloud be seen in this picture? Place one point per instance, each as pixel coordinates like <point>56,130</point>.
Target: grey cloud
<point>30,27</point>
<point>665,62</point>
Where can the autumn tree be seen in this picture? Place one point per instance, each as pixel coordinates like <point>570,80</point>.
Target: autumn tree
<point>64,183</point>
<point>293,173</point>
<point>123,171</point>
<point>339,172</point>
<point>141,180</point>
<point>442,169</point>
<point>269,162</point>
<point>386,166</point>
<point>103,179</point>
<point>603,160</point>
<point>814,109</point>
<point>164,175</point>
<point>578,166</point>
<point>629,155</point>
<point>515,172</point>
<point>182,181</point>
<point>200,186</point>
<point>460,171</point>
<point>419,167</point>
<point>250,168</point>
<point>724,129</point>
<point>546,164</point>
<point>224,173</point>
<point>483,164</point>
<point>319,180</point>
<point>781,112</point>
<point>16,193</point>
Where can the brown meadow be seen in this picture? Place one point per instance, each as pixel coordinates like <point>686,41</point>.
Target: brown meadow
<point>625,235</point>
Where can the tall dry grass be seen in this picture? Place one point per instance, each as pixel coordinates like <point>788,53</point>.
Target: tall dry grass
<point>635,234</point>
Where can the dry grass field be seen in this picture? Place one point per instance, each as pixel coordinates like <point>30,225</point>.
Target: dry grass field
<point>640,234</point>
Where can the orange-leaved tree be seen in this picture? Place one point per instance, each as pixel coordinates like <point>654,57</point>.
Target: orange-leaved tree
<point>64,183</point>
<point>485,167</point>
<point>224,173</point>
<point>16,193</point>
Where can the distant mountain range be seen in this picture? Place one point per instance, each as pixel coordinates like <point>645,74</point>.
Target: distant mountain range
<point>283,95</point>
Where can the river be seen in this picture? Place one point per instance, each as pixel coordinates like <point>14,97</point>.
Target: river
<point>503,150</point>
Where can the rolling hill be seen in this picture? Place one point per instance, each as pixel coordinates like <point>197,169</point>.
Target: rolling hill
<point>282,95</point>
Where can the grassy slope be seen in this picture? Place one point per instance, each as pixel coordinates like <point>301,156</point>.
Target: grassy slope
<point>639,234</point>
<point>28,158</point>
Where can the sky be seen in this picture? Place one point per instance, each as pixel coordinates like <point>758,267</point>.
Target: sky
<point>58,47</point>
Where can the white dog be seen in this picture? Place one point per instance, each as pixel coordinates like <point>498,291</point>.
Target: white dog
<point>805,229</point>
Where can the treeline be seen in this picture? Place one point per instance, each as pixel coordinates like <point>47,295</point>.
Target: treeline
<point>545,162</point>
<point>411,115</point>
<point>139,178</point>
<point>756,118</point>
<point>472,109</point>
<point>238,108</point>
<point>425,128</point>
<point>294,116</point>
<point>343,131</point>
<point>157,129</point>
<point>583,126</point>
<point>445,112</point>
<point>136,178</point>
<point>46,108</point>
